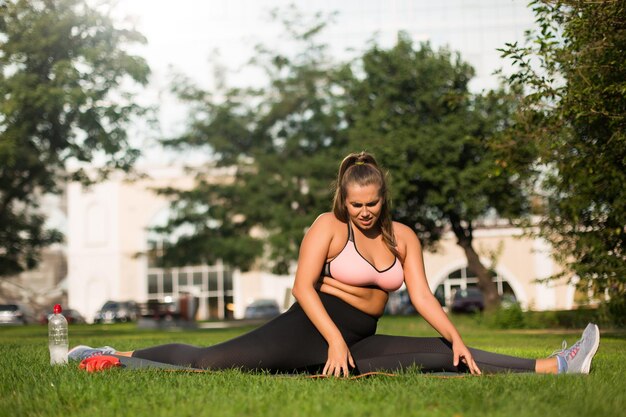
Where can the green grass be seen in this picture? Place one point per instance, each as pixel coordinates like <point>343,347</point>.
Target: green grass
<point>30,387</point>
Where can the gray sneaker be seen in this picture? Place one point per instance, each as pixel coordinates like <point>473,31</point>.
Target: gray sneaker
<point>80,352</point>
<point>578,356</point>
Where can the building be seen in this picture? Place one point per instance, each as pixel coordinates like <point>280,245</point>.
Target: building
<point>109,239</point>
<point>43,286</point>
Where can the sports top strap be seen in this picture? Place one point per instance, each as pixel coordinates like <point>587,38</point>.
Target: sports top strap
<point>350,232</point>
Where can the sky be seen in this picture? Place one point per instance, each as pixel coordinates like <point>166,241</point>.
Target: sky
<point>190,36</point>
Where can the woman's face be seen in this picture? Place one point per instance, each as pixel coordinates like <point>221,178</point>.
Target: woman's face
<point>364,204</point>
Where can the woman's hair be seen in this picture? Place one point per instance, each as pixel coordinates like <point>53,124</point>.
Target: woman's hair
<point>362,169</point>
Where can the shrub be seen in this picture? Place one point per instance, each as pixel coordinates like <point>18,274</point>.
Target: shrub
<point>509,317</point>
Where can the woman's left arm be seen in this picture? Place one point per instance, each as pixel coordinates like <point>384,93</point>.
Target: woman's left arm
<point>423,299</point>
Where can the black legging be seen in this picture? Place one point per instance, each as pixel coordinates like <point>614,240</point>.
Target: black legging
<point>291,343</point>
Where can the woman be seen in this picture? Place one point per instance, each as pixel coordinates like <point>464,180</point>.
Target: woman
<point>349,260</point>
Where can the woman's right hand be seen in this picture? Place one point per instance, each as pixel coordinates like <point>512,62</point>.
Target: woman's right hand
<point>339,358</point>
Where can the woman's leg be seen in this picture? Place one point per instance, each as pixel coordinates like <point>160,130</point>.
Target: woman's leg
<point>288,343</point>
<point>285,342</point>
<point>430,354</point>
<point>542,366</point>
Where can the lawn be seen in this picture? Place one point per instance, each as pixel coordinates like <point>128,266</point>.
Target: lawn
<point>30,387</point>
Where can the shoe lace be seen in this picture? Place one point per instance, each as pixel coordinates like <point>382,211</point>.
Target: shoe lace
<point>566,352</point>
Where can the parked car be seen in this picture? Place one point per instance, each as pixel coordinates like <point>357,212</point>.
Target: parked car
<point>117,311</point>
<point>262,309</point>
<point>16,314</point>
<point>72,316</point>
<point>157,310</point>
<point>469,300</point>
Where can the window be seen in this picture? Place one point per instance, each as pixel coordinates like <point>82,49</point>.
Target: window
<point>212,285</point>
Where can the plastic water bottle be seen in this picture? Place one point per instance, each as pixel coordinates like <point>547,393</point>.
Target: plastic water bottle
<point>57,337</point>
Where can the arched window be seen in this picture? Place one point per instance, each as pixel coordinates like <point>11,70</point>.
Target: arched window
<point>96,225</point>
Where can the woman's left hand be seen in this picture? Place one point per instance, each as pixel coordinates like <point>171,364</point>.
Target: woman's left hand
<point>462,354</point>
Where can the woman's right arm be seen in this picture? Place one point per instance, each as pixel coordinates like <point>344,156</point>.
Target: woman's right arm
<point>313,254</point>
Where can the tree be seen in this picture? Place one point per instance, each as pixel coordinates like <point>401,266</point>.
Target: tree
<point>62,68</point>
<point>412,108</point>
<point>278,139</point>
<point>573,119</point>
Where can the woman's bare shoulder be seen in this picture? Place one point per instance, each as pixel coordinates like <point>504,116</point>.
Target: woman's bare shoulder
<point>404,234</point>
<point>400,228</point>
<point>324,229</point>
<point>327,222</point>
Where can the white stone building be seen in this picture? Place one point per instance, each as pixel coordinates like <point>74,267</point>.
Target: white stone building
<point>108,236</point>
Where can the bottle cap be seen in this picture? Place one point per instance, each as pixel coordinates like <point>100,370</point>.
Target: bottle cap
<point>57,309</point>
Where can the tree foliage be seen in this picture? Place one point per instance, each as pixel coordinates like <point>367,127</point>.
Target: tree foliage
<point>62,68</point>
<point>279,139</point>
<point>573,119</point>
<point>412,108</point>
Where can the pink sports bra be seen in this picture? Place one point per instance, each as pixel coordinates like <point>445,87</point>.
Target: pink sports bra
<point>350,267</point>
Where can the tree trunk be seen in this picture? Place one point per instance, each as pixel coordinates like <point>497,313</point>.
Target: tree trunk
<point>485,282</point>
